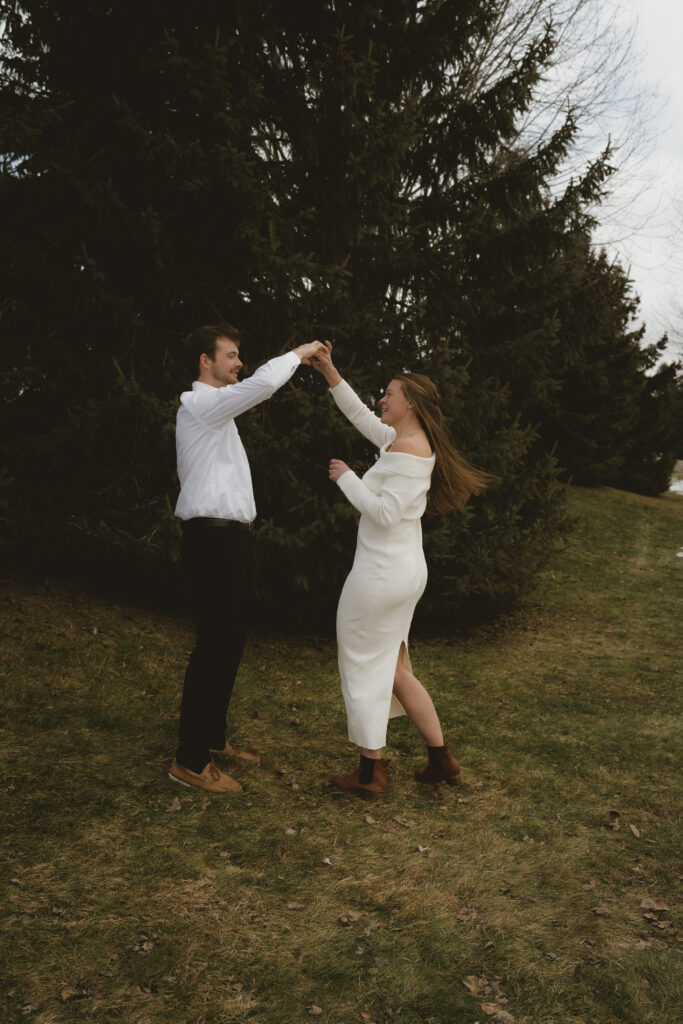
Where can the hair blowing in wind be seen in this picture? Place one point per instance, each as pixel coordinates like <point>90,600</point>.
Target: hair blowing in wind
<point>454,479</point>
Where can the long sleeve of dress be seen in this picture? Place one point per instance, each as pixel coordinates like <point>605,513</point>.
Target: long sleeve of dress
<point>357,412</point>
<point>401,496</point>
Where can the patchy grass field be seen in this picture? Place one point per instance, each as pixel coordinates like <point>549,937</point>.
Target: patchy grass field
<point>543,890</point>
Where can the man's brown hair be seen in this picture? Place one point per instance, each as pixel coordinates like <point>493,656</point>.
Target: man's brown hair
<point>202,341</point>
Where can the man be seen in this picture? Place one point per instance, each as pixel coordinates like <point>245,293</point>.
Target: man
<point>216,505</point>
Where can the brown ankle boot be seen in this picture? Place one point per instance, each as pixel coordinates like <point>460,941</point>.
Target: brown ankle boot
<point>441,767</point>
<point>366,790</point>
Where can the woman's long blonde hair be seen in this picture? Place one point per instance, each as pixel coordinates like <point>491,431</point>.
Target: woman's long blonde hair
<point>454,479</point>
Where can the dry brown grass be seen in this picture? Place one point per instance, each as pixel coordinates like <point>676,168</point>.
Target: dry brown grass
<point>133,900</point>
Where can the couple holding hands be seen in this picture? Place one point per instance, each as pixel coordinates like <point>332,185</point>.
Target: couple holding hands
<point>416,462</point>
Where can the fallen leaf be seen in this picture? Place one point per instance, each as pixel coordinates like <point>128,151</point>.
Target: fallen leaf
<point>349,918</point>
<point>326,860</point>
<point>602,911</point>
<point>654,919</point>
<point>237,986</point>
<point>175,805</point>
<point>71,992</point>
<point>406,822</point>
<point>314,1010</point>
<point>468,914</point>
<point>635,831</point>
<point>463,799</point>
<point>497,1011</point>
<point>295,906</point>
<point>654,905</point>
<point>369,820</point>
<point>422,849</point>
<point>290,831</point>
<point>372,927</point>
<point>477,986</point>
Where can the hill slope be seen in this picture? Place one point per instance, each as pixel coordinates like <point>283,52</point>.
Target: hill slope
<point>539,891</point>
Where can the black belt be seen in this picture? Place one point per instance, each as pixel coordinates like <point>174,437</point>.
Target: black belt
<point>210,521</point>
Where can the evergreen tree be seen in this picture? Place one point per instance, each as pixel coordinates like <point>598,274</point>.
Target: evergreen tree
<point>309,170</point>
<point>611,417</point>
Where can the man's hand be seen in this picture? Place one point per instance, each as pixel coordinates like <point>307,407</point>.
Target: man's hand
<point>337,469</point>
<point>305,352</point>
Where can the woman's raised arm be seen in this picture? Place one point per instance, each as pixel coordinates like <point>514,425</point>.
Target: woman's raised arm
<point>349,403</point>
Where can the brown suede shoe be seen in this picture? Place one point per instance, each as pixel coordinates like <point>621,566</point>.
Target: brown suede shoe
<point>441,767</point>
<point>232,750</point>
<point>366,790</point>
<point>209,779</point>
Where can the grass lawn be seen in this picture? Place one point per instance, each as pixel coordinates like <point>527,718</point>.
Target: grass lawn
<point>541,890</point>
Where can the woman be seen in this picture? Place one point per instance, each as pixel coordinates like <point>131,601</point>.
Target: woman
<point>389,572</point>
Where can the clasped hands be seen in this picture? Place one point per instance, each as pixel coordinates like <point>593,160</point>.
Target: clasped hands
<point>320,358</point>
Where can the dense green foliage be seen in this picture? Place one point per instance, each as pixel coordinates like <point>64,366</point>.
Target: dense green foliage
<point>309,170</point>
<point>613,417</point>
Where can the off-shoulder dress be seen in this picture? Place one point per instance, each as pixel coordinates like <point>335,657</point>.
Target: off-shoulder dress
<point>388,576</point>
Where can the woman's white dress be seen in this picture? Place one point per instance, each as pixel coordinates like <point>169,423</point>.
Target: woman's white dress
<point>388,576</point>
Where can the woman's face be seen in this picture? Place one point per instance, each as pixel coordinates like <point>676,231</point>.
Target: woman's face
<point>393,404</point>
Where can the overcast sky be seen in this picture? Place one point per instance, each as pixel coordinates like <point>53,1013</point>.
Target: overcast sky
<point>644,221</point>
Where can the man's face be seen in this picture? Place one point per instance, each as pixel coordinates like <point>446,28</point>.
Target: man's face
<point>226,364</point>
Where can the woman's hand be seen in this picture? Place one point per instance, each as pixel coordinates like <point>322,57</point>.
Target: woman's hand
<point>337,469</point>
<point>322,362</point>
<point>306,353</point>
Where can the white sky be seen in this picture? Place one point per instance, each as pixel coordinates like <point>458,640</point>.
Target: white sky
<point>643,222</point>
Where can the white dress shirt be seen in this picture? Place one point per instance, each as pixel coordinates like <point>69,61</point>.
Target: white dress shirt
<point>215,480</point>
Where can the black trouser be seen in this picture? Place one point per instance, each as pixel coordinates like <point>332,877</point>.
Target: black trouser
<point>217,565</point>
